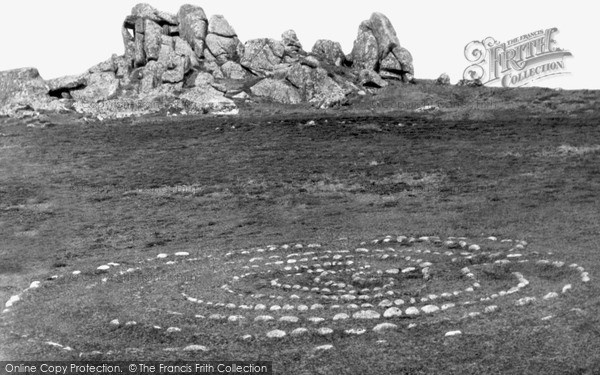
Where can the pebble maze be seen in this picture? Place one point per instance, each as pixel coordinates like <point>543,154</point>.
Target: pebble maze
<point>279,292</point>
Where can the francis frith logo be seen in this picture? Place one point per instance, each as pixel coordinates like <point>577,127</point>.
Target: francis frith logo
<point>516,62</point>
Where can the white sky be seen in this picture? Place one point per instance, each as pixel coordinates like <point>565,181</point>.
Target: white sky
<point>62,37</point>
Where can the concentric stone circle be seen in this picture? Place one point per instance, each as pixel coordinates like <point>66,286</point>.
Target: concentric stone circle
<point>379,286</point>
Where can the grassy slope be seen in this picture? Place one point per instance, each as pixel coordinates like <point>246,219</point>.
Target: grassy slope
<point>68,200</point>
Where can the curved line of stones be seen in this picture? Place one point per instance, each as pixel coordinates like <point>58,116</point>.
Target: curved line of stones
<point>469,250</point>
<point>370,314</point>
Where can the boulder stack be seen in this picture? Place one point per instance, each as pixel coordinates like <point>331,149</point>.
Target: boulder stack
<point>377,48</point>
<point>197,64</point>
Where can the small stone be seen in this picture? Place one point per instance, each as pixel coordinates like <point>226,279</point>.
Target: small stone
<point>160,256</point>
<point>490,309</point>
<point>276,334</point>
<point>182,254</point>
<point>392,312</point>
<point>566,288</point>
<point>525,301</point>
<point>551,295</point>
<point>447,306</point>
<point>236,318</point>
<point>115,322</point>
<point>474,247</point>
<point>323,331</point>
<point>76,272</point>
<point>173,329</point>
<point>195,348</point>
<point>366,314</point>
<point>317,306</point>
<point>429,309</point>
<point>412,311</point>
<point>302,307</point>
<point>382,327</point>
<point>103,268</point>
<point>341,316</point>
<point>247,337</point>
<point>12,300</point>
<point>392,271</point>
<point>453,333</point>
<point>385,303</point>
<point>355,331</point>
<point>130,323</point>
<point>399,302</point>
<point>289,319</point>
<point>316,319</point>
<point>299,332</point>
<point>260,307</point>
<point>275,308</point>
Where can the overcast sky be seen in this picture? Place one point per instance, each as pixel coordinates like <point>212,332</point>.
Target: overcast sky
<point>62,37</point>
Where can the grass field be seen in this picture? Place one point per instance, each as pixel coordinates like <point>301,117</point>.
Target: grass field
<point>76,196</point>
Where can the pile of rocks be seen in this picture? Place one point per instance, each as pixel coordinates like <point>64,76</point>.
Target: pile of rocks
<point>189,63</point>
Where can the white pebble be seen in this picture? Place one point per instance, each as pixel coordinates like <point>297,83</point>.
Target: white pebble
<point>384,327</point>
<point>275,334</point>
<point>392,312</point>
<point>195,348</point>
<point>453,333</point>
<point>299,331</point>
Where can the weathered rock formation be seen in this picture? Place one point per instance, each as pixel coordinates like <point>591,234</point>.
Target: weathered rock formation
<point>377,48</point>
<point>195,64</point>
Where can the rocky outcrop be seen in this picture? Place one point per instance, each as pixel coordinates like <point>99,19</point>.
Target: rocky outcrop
<point>276,90</point>
<point>222,43</point>
<point>193,27</point>
<point>292,46</point>
<point>377,48</point>
<point>443,79</point>
<point>191,62</point>
<point>369,78</point>
<point>316,86</point>
<point>22,89</point>
<point>329,51</point>
<point>262,55</point>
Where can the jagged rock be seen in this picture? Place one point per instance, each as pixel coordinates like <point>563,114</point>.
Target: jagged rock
<point>370,78</point>
<point>365,53</point>
<point>100,86</point>
<point>204,79</point>
<point>310,61</point>
<point>151,75</point>
<point>218,25</point>
<point>329,51</point>
<point>105,66</point>
<point>210,100</point>
<point>223,49</point>
<point>233,70</point>
<point>276,90</point>
<point>22,87</point>
<point>261,55</point>
<point>377,48</point>
<point>60,85</point>
<point>292,46</point>
<point>222,43</point>
<point>193,27</point>
<point>144,10</point>
<point>316,86</point>
<point>152,39</point>
<point>444,80</point>
<point>182,48</point>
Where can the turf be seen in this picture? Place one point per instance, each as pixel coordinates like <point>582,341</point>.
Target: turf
<point>74,196</point>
